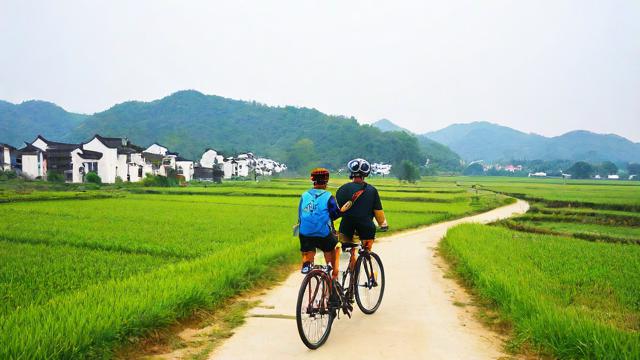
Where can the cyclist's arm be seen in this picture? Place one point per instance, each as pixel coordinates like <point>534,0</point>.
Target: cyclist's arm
<point>378,213</point>
<point>334,210</point>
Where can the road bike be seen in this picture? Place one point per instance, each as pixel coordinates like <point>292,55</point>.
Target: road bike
<point>320,299</point>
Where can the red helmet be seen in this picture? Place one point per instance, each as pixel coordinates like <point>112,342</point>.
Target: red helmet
<point>320,176</point>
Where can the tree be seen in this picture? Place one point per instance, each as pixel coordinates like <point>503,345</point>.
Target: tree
<point>408,171</point>
<point>607,168</point>
<point>581,170</point>
<point>474,169</point>
<point>633,169</point>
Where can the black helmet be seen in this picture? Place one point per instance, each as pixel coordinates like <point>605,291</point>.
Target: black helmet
<point>358,168</point>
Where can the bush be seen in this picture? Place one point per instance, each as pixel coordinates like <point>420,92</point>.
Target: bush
<point>55,177</point>
<point>8,175</point>
<point>93,178</point>
<point>160,181</point>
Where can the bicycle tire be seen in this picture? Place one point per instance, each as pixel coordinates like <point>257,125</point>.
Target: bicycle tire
<point>360,287</point>
<point>324,282</point>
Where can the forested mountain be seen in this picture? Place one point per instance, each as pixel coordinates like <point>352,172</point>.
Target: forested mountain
<point>189,122</point>
<point>23,122</point>
<point>437,154</point>
<point>491,142</point>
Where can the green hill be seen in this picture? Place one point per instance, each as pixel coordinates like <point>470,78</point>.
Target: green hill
<point>23,122</point>
<point>491,142</point>
<point>189,122</point>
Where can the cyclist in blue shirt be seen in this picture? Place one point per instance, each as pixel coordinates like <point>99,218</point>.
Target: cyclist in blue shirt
<point>316,212</point>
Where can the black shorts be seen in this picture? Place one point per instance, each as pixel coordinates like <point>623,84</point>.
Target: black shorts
<point>310,243</point>
<point>365,229</point>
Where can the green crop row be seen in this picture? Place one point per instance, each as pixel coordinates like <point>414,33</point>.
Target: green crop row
<point>570,298</point>
<point>33,274</point>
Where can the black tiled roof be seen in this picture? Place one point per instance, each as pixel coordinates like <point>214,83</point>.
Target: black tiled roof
<point>57,145</point>
<point>117,143</point>
<point>93,155</point>
<point>29,149</point>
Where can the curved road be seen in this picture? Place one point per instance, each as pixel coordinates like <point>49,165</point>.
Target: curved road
<point>417,318</point>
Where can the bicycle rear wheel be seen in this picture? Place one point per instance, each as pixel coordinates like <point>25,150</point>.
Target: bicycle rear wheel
<point>313,316</point>
<point>369,283</point>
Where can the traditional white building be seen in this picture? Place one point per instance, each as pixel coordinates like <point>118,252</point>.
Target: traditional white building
<point>7,157</point>
<point>32,162</point>
<point>268,167</point>
<point>380,169</point>
<point>158,149</point>
<point>110,158</point>
<point>210,158</point>
<point>185,168</point>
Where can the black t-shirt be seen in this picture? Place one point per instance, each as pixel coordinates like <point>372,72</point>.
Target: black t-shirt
<point>362,209</point>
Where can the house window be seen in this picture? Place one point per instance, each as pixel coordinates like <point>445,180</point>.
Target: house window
<point>91,167</point>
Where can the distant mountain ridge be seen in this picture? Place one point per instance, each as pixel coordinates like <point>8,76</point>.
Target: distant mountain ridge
<point>388,125</point>
<point>437,154</point>
<point>491,142</point>
<point>189,121</point>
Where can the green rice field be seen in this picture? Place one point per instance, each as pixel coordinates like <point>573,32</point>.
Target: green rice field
<point>566,274</point>
<point>84,272</point>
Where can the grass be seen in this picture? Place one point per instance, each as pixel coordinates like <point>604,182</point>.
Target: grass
<point>87,276</point>
<point>567,297</point>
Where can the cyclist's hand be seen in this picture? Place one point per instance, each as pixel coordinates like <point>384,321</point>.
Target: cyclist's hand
<point>384,226</point>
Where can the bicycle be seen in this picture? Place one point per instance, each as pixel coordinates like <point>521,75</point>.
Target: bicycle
<point>316,308</point>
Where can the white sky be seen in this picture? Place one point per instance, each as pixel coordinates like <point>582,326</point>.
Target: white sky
<point>538,66</point>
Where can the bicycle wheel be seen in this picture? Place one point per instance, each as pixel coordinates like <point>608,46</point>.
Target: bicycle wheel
<point>313,315</point>
<point>369,281</point>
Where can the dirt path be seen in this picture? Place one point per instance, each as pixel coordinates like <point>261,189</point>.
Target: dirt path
<point>417,318</point>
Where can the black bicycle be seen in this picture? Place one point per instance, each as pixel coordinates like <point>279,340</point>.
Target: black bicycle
<point>321,300</point>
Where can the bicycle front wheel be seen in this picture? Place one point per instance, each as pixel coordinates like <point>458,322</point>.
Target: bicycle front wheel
<point>313,315</point>
<point>369,283</point>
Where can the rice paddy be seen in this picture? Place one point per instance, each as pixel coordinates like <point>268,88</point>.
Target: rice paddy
<point>80,277</point>
<point>566,274</point>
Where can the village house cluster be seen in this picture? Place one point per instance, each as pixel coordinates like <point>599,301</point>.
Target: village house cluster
<point>118,158</point>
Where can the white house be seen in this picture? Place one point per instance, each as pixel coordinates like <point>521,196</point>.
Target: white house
<point>613,177</point>
<point>58,156</point>
<point>268,167</point>
<point>120,158</point>
<point>156,148</point>
<point>7,157</point>
<point>32,162</point>
<point>538,174</point>
<point>380,169</point>
<point>185,168</point>
<point>210,158</point>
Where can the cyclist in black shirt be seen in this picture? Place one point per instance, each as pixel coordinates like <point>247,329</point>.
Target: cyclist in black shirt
<point>359,203</point>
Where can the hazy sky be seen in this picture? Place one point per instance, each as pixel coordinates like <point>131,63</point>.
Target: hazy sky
<point>539,66</point>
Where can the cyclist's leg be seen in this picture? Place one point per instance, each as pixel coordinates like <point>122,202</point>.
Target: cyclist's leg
<point>346,236</point>
<point>367,233</point>
<point>307,249</point>
<point>328,246</point>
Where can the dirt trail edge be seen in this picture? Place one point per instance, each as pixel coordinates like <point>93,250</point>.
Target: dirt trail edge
<point>417,318</point>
